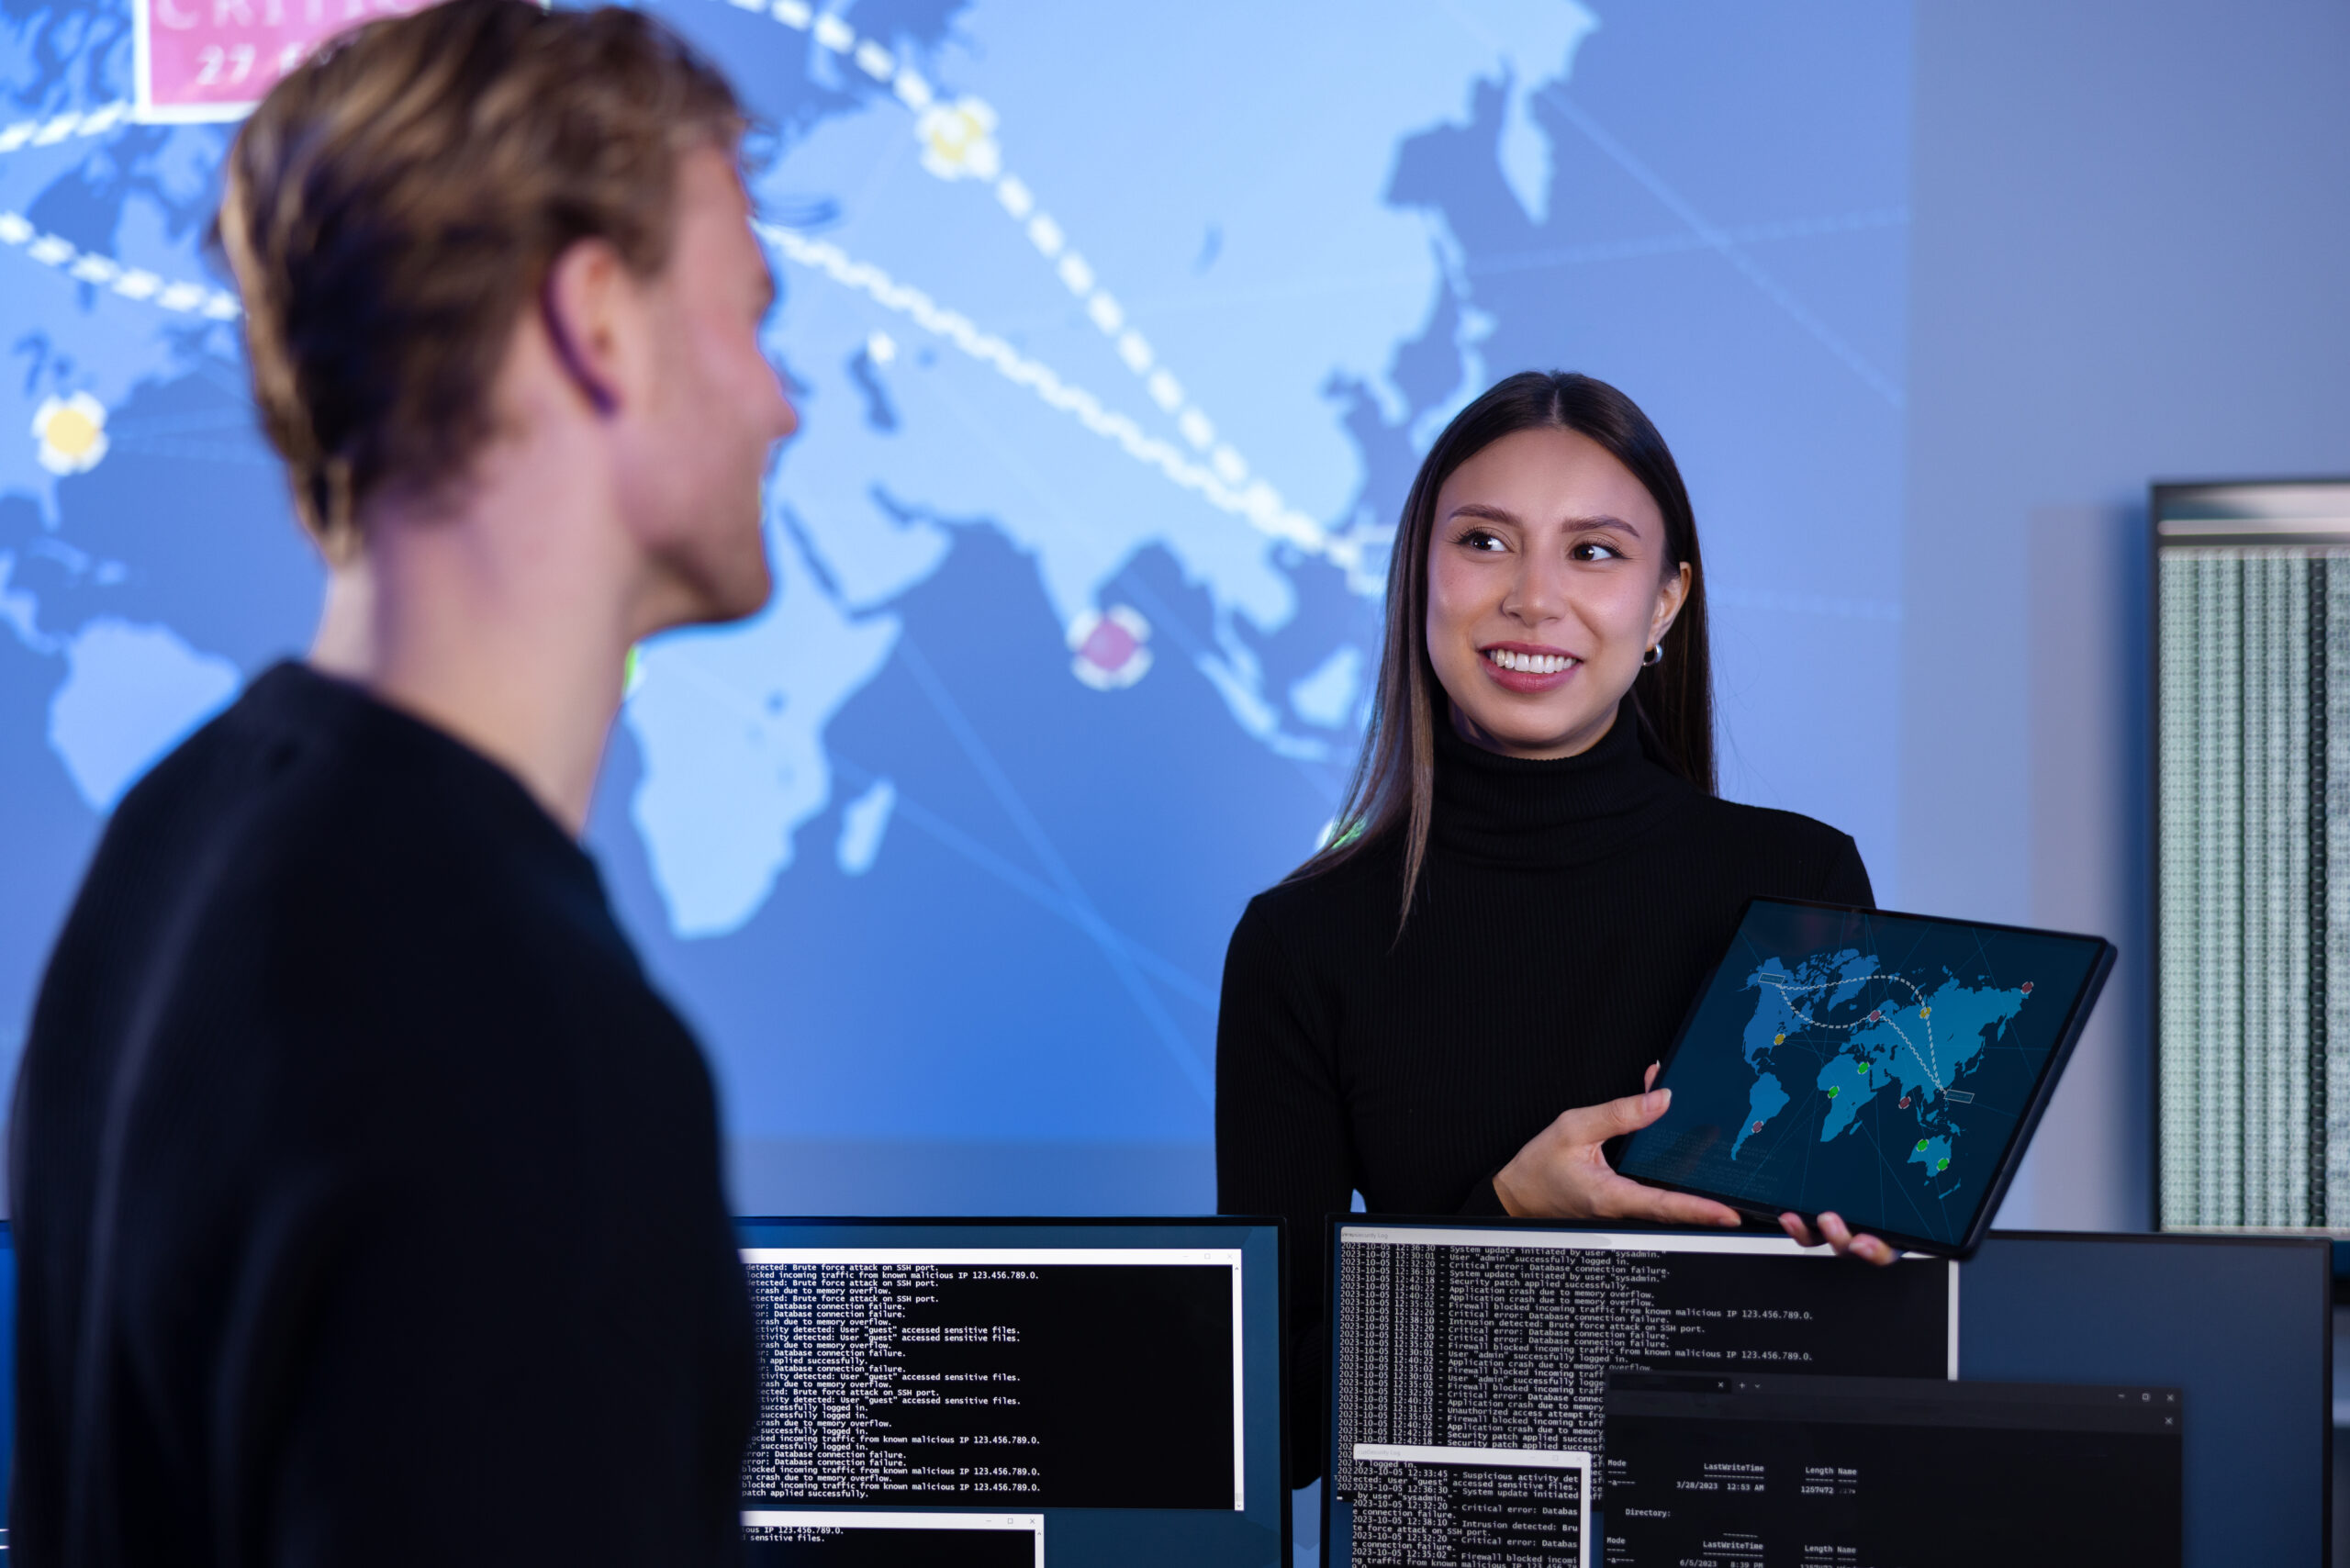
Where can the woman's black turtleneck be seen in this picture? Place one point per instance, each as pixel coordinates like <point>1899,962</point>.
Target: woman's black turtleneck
<point>1567,912</point>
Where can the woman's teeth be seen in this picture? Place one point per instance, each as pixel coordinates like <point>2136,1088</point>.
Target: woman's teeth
<point>1530,664</point>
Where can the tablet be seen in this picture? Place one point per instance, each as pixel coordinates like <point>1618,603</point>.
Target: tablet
<point>1889,1068</point>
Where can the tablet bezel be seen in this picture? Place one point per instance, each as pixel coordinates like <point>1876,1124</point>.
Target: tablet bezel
<point>2020,1141</point>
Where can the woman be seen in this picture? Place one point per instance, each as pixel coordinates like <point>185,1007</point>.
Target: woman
<point>1453,1005</point>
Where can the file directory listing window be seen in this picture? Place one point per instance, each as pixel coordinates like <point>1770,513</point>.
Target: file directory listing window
<point>1469,1366</point>
<point>1745,1471</point>
<point>985,1392</point>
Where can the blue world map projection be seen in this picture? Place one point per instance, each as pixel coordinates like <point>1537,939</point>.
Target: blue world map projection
<point>1879,1064</point>
<point>1117,332</point>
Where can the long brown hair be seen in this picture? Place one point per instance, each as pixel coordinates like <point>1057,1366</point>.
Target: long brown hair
<point>1394,787</point>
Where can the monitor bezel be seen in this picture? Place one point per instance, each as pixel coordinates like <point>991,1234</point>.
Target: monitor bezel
<point>2076,1017</point>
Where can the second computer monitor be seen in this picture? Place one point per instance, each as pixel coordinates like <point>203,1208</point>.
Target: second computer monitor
<point>1469,1365</point>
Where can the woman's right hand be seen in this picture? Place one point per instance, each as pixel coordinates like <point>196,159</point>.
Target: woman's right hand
<point>1563,1175</point>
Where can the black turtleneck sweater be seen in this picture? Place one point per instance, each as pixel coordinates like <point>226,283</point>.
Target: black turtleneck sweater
<point>1566,914</point>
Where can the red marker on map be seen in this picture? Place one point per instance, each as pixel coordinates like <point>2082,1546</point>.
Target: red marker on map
<point>2027,988</point>
<point>1758,1126</point>
<point>1876,1014</point>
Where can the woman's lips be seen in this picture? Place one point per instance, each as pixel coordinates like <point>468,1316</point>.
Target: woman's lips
<point>1524,668</point>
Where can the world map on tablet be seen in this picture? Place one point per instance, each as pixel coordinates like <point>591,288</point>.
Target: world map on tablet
<point>1874,1065</point>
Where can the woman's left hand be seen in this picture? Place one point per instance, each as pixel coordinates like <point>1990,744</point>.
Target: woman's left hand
<point>1840,1236</point>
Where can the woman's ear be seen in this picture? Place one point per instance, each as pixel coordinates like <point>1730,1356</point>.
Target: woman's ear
<point>1670,595</point>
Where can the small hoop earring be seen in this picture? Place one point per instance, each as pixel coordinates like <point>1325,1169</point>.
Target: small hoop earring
<point>1654,657</point>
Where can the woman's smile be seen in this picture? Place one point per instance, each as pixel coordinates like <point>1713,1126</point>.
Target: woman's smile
<point>1528,667</point>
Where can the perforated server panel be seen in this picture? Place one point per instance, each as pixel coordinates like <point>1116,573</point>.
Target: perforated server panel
<point>2252,852</point>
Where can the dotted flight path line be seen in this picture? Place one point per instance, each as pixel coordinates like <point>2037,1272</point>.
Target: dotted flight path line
<point>958,143</point>
<point>131,283</point>
<point>88,267</point>
<point>1257,504</point>
<point>1932,1067</point>
<point>57,128</point>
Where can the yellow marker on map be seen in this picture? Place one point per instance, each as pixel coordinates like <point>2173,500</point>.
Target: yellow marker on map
<point>72,433</point>
<point>959,140</point>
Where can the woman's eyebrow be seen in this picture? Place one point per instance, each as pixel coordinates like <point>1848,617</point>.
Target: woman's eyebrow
<point>1479,509</point>
<point>1604,519</point>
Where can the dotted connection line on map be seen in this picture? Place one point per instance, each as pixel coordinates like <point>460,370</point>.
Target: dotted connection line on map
<point>49,132</point>
<point>1933,1070</point>
<point>958,143</point>
<point>1257,504</point>
<point>86,266</point>
<point>131,283</point>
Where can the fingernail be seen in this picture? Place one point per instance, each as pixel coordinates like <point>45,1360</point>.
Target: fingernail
<point>1658,1098</point>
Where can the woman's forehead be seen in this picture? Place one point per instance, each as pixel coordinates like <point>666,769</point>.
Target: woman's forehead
<point>1547,478</point>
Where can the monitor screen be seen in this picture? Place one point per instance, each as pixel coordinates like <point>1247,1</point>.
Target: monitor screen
<point>1469,1365</point>
<point>1754,1469</point>
<point>2243,1326</point>
<point>1008,1391</point>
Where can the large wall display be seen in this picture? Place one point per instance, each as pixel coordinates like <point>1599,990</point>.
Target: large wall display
<point>2251,682</point>
<point>1118,331</point>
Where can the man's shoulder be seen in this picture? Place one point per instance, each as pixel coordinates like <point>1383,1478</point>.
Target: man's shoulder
<point>348,928</point>
<point>304,782</point>
<point>315,842</point>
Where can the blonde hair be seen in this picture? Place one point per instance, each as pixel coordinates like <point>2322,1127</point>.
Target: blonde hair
<point>395,204</point>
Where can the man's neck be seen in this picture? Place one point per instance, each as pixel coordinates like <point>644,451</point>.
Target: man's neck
<point>503,622</point>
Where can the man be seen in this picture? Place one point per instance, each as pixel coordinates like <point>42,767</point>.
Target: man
<point>367,1198</point>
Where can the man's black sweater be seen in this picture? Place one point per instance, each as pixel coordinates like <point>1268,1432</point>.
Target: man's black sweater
<point>1566,914</point>
<point>367,1199</point>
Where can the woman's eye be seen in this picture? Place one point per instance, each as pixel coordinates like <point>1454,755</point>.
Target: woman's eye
<point>1478,538</point>
<point>1594,550</point>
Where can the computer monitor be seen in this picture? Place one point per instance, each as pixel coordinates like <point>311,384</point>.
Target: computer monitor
<point>1081,1392</point>
<point>1470,1364</point>
<point>2242,1326</point>
<point>1745,1468</point>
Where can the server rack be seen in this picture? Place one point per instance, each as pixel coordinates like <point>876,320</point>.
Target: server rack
<point>2252,854</point>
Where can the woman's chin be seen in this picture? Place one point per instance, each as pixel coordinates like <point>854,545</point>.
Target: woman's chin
<point>1535,736</point>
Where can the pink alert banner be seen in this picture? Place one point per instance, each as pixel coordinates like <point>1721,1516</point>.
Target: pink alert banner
<point>214,59</point>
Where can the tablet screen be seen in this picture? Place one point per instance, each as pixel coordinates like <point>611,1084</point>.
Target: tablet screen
<point>1879,1064</point>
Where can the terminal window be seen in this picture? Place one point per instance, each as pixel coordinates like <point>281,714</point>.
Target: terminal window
<point>985,1378</point>
<point>1744,1472</point>
<point>1468,1401</point>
